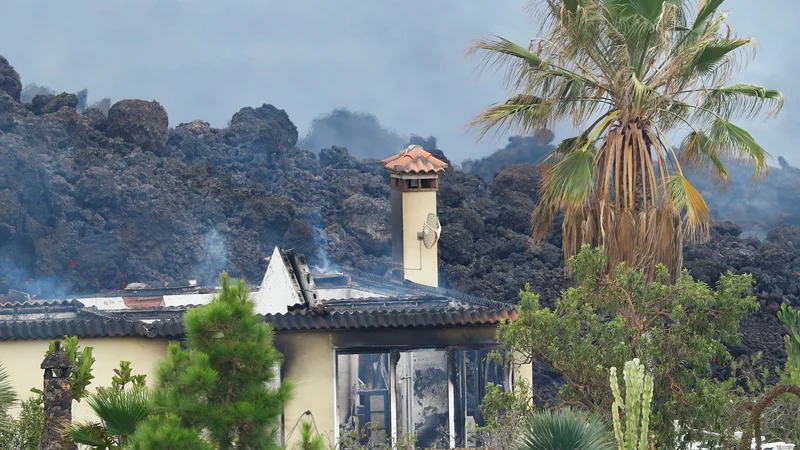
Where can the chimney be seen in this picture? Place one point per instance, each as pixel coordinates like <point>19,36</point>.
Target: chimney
<point>415,225</point>
<point>57,401</point>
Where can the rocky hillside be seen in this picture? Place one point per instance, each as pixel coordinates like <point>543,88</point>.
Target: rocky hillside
<point>91,202</point>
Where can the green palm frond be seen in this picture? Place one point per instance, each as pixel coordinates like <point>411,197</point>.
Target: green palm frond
<point>7,394</point>
<point>717,54</point>
<point>91,434</point>
<point>564,148</point>
<point>699,152</point>
<point>120,411</point>
<point>525,112</point>
<point>737,143</point>
<point>565,430</point>
<point>650,10</point>
<point>742,100</point>
<point>708,8</point>
<point>572,179</point>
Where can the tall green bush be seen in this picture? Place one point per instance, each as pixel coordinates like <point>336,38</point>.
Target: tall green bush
<point>25,432</point>
<point>680,328</point>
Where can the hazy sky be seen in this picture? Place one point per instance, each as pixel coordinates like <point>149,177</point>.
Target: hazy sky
<point>400,60</point>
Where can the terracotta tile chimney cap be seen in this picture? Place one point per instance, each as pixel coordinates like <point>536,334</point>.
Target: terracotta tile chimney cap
<point>414,159</point>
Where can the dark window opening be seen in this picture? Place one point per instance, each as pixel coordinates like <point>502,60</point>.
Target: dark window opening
<point>475,371</point>
<point>412,393</point>
<point>429,183</point>
<point>363,398</point>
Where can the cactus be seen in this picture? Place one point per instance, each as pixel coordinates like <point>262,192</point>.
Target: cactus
<point>636,407</point>
<point>791,319</point>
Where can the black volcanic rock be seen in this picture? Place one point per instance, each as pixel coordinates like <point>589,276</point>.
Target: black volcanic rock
<point>342,247</point>
<point>48,104</point>
<point>9,80</point>
<point>265,130</point>
<point>337,158</point>
<point>82,210</point>
<point>139,122</point>
<point>367,219</point>
<point>96,119</point>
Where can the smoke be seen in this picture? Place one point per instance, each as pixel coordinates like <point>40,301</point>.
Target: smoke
<point>323,262</point>
<point>32,90</point>
<point>18,275</point>
<point>103,105</point>
<point>756,208</point>
<point>361,133</point>
<point>320,261</point>
<point>520,149</point>
<point>428,143</point>
<point>83,98</point>
<point>215,259</point>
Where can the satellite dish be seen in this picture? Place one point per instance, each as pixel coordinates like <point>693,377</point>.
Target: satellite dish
<point>431,230</point>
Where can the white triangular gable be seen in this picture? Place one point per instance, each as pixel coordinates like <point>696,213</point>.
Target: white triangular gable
<point>278,290</point>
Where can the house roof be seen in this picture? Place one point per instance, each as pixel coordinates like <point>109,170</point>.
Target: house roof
<point>348,300</point>
<point>376,319</point>
<point>166,322</point>
<point>414,160</point>
<point>54,320</point>
<point>397,305</point>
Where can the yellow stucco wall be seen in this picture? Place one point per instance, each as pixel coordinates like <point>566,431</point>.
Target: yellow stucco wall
<point>309,366</point>
<point>22,359</point>
<point>523,371</point>
<point>421,265</point>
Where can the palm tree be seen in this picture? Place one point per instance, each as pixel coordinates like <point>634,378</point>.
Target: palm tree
<point>565,429</point>
<point>7,398</point>
<point>120,412</point>
<point>630,74</point>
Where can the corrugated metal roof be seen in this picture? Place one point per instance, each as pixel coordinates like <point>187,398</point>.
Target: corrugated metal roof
<point>40,304</point>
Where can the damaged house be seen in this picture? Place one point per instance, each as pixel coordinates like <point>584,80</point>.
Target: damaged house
<point>383,356</point>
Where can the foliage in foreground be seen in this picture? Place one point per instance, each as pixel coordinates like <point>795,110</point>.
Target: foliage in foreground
<point>681,329</point>
<point>25,432</point>
<point>791,319</point>
<point>223,386</point>
<point>309,440</point>
<point>629,74</point>
<point>7,398</point>
<point>565,429</point>
<point>120,411</point>
<point>82,362</point>
<point>634,409</point>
